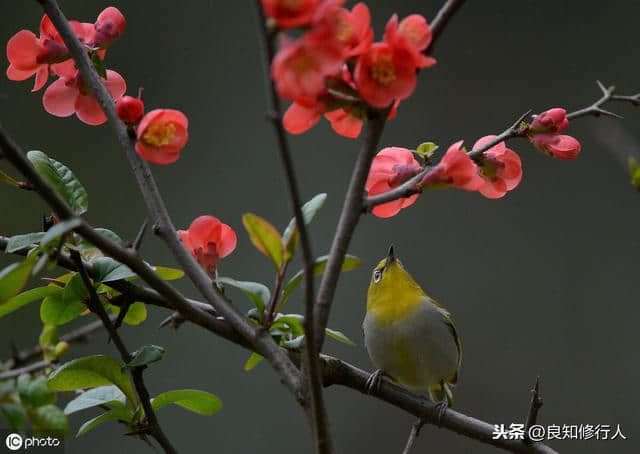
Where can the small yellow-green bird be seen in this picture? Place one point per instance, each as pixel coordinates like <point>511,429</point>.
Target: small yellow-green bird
<point>409,336</point>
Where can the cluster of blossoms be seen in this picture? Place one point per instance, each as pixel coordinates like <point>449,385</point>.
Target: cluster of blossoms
<point>493,172</point>
<point>161,134</point>
<point>334,68</point>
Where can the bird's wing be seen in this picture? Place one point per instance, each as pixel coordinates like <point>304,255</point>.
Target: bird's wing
<point>449,321</point>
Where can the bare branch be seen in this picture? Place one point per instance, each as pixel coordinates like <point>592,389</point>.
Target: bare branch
<point>607,95</point>
<point>534,408</point>
<point>415,431</point>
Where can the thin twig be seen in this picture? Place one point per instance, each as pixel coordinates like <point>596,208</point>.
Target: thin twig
<point>159,214</point>
<point>415,431</point>
<point>534,408</point>
<point>320,421</point>
<point>137,242</point>
<point>596,108</point>
<point>12,373</point>
<point>95,305</point>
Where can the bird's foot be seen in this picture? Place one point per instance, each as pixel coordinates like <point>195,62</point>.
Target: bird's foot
<point>440,410</point>
<point>373,382</point>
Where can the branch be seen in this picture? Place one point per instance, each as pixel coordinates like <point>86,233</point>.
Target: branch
<point>261,339</point>
<point>320,426</point>
<point>596,108</point>
<point>534,408</point>
<point>353,202</point>
<point>12,373</point>
<point>95,305</point>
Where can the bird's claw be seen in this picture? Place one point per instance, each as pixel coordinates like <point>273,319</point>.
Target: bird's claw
<point>440,410</point>
<point>373,382</point>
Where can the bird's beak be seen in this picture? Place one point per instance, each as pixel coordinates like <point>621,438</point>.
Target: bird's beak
<point>390,257</point>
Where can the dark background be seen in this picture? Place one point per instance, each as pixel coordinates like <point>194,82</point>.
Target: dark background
<point>543,281</point>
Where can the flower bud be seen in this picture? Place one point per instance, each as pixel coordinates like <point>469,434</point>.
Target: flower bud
<point>557,146</point>
<point>551,121</point>
<point>109,27</point>
<point>129,109</point>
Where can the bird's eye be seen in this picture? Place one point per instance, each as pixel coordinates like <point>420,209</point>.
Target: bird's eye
<point>377,275</point>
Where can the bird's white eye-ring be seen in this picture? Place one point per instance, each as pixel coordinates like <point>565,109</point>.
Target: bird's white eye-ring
<point>377,275</point>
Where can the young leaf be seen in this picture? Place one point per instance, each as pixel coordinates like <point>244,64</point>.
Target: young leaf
<point>59,229</point>
<point>62,179</point>
<point>106,233</point>
<point>337,335</point>
<point>350,262</point>
<point>120,414</point>
<point>253,361</point>
<point>14,277</point>
<point>294,343</point>
<point>102,395</point>
<point>136,314</point>
<point>258,293</point>
<point>18,242</point>
<point>54,310</point>
<point>146,355</point>
<point>264,237</point>
<point>426,150</point>
<point>197,401</point>
<point>106,269</point>
<point>91,372</point>
<point>168,274</point>
<point>34,393</point>
<point>15,415</point>
<point>7,179</point>
<point>49,419</point>
<point>290,236</point>
<point>27,297</point>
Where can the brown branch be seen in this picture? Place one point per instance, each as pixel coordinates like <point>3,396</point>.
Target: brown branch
<point>33,367</point>
<point>263,342</point>
<point>95,305</point>
<point>320,422</point>
<point>534,408</point>
<point>415,431</point>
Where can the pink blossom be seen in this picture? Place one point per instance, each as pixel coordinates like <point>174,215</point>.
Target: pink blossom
<point>162,134</point>
<point>556,145</point>
<point>291,13</point>
<point>413,34</point>
<point>208,240</point>
<point>349,31</point>
<point>501,169</point>
<point>455,169</point>
<point>108,27</point>
<point>129,109</point>
<point>551,121</point>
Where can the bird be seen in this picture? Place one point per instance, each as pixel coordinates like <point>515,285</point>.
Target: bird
<point>410,337</point>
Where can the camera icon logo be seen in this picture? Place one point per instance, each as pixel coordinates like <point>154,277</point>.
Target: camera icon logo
<point>13,442</point>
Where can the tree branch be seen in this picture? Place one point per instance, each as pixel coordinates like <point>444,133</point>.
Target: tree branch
<point>320,422</point>
<point>534,408</point>
<point>263,342</point>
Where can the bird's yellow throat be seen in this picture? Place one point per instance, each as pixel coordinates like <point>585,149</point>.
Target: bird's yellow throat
<point>395,295</point>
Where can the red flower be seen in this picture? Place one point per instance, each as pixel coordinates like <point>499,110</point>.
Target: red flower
<point>129,109</point>
<point>349,31</point>
<point>108,27</point>
<point>208,240</point>
<point>389,169</point>
<point>551,121</point>
<point>291,13</point>
<point>455,169</point>
<point>501,169</point>
<point>557,146</point>
<point>346,122</point>
<point>300,68</point>
<point>162,134</point>
<point>413,34</point>
<point>300,118</point>
<point>68,95</point>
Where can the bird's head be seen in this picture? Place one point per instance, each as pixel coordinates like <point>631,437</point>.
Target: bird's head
<point>389,279</point>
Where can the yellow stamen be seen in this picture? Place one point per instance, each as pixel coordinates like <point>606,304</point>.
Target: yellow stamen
<point>383,71</point>
<point>159,134</point>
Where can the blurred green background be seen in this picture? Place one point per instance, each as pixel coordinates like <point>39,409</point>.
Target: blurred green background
<point>543,281</point>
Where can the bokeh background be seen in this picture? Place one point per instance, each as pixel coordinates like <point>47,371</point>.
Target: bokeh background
<point>544,281</point>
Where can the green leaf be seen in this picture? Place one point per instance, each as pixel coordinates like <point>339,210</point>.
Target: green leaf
<point>106,233</point>
<point>49,419</point>
<point>98,64</point>
<point>61,308</point>
<point>168,274</point>
<point>58,230</point>
<point>106,269</point>
<point>136,314</point>
<point>7,179</point>
<point>257,292</point>
<point>91,372</point>
<point>253,361</point>
<point>197,401</point>
<point>35,393</point>
<point>102,395</point>
<point>62,179</point>
<point>292,321</point>
<point>14,278</point>
<point>290,236</point>
<point>15,415</point>
<point>146,355</point>
<point>294,343</point>
<point>27,297</point>
<point>264,237</point>
<point>18,242</point>
<point>350,262</point>
<point>426,150</point>
<point>634,171</point>
<point>120,414</point>
<point>337,335</point>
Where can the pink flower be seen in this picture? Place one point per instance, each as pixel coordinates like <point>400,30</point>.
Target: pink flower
<point>455,169</point>
<point>551,121</point>
<point>413,34</point>
<point>346,121</point>
<point>162,134</point>
<point>68,95</point>
<point>389,169</point>
<point>299,69</point>
<point>129,109</point>
<point>291,13</point>
<point>501,169</point>
<point>557,146</point>
<point>108,27</point>
<point>208,240</point>
<point>349,31</point>
<point>300,118</point>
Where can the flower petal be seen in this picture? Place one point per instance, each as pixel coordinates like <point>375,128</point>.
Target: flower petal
<point>60,97</point>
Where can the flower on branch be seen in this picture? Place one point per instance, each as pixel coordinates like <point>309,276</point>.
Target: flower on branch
<point>550,121</point>
<point>557,145</point>
<point>455,169</point>
<point>108,27</point>
<point>208,240</point>
<point>162,134</point>
<point>389,169</point>
<point>500,168</point>
<point>129,109</point>
<point>349,32</point>
<point>291,13</point>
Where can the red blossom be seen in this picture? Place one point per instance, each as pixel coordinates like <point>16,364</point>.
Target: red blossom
<point>300,118</point>
<point>389,169</point>
<point>455,169</point>
<point>557,145</point>
<point>162,134</point>
<point>291,13</point>
<point>108,27</point>
<point>68,95</point>
<point>501,169</point>
<point>208,240</point>
<point>552,121</point>
<point>129,109</point>
<point>349,31</point>
<point>413,34</point>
